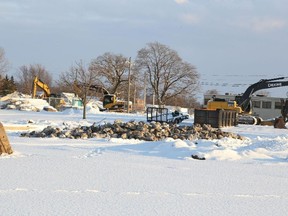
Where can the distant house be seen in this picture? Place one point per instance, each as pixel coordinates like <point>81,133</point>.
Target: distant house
<point>71,99</point>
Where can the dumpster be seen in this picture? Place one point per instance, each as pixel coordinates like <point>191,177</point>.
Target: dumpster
<point>216,118</point>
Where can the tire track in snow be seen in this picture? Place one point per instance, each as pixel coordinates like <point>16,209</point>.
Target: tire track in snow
<point>151,193</point>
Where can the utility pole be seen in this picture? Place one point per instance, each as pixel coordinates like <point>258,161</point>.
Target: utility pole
<point>145,90</point>
<point>128,98</point>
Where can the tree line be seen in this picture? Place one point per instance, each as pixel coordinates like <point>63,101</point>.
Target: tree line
<point>158,73</point>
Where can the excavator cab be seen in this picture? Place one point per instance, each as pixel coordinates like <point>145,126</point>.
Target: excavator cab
<point>110,102</point>
<point>108,99</point>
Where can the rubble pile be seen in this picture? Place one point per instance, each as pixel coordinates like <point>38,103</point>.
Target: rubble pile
<point>22,102</point>
<point>23,105</point>
<point>135,130</point>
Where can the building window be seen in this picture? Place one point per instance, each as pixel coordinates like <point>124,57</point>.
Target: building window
<point>256,104</point>
<point>266,104</point>
<point>278,105</point>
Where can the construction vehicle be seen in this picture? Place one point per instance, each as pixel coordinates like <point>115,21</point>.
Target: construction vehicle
<point>280,122</point>
<point>39,83</point>
<point>162,115</point>
<point>53,99</point>
<point>242,103</point>
<point>110,101</point>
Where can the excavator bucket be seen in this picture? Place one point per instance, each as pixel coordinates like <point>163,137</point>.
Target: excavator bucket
<point>279,123</point>
<point>4,142</point>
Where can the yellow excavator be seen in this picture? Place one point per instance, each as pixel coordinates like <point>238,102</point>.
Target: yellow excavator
<point>242,103</point>
<point>110,101</point>
<point>39,83</point>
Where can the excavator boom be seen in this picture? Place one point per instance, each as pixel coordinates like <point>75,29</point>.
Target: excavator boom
<point>38,83</point>
<point>244,100</point>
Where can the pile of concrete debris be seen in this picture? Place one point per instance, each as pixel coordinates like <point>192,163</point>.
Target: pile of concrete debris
<point>22,102</point>
<point>135,130</point>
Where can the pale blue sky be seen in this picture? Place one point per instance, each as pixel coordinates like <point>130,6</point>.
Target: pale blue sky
<point>217,36</point>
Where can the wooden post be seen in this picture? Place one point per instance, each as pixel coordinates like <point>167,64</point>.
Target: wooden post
<point>4,142</point>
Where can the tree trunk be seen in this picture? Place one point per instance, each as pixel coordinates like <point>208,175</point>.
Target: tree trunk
<point>84,111</point>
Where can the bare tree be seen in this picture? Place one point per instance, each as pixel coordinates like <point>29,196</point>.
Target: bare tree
<point>4,64</point>
<point>112,70</point>
<point>168,74</point>
<point>27,74</point>
<point>79,80</point>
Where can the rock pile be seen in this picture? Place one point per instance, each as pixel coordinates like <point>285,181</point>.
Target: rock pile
<point>23,105</point>
<point>135,130</point>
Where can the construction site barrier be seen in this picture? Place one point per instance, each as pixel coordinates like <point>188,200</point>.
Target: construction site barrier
<point>4,142</point>
<point>216,118</point>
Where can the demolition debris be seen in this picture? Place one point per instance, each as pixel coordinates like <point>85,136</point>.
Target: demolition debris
<point>152,131</point>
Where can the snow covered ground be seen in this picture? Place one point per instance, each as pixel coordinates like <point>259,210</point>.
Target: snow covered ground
<point>53,176</point>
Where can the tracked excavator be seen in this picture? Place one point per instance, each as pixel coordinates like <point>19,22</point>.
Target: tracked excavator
<point>110,101</point>
<point>242,103</point>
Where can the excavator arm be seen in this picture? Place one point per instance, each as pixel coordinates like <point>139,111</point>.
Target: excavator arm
<point>245,100</point>
<point>38,83</point>
<point>99,88</point>
<point>95,88</point>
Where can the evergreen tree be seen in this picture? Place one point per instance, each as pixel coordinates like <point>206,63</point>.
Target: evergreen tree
<point>7,86</point>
